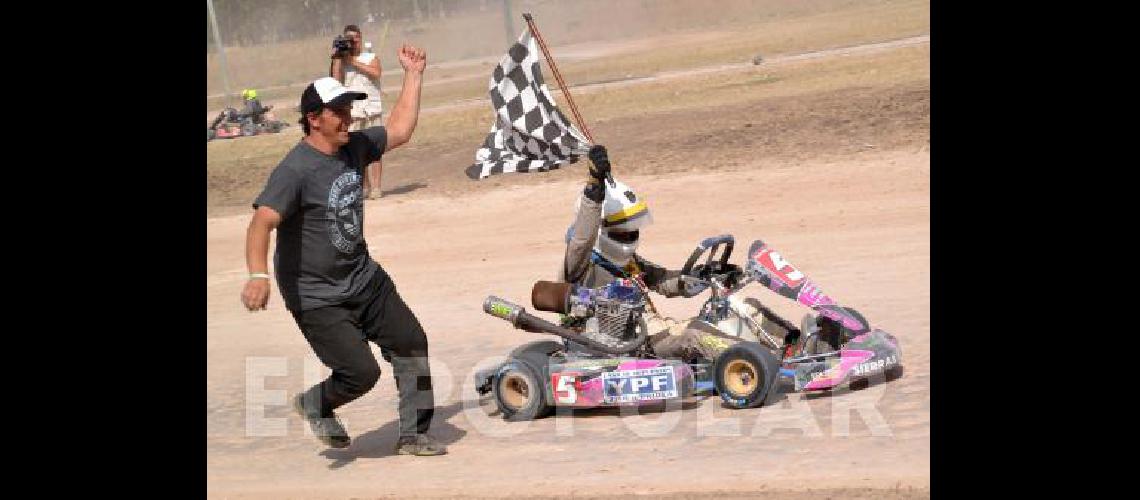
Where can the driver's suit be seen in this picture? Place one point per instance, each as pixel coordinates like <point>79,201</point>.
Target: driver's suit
<point>669,338</point>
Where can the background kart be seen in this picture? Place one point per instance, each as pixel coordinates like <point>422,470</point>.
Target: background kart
<point>254,120</point>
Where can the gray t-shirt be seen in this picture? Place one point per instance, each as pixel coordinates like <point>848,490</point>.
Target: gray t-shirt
<point>321,256</point>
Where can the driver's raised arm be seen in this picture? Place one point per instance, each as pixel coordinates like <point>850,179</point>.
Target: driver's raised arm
<point>584,232</point>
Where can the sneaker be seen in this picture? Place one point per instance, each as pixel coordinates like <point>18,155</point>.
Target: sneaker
<point>329,430</point>
<point>420,445</point>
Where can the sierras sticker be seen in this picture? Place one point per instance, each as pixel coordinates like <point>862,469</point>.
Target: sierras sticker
<point>870,367</point>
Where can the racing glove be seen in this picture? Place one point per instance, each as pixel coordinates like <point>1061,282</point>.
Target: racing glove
<point>599,163</point>
<point>691,287</point>
<point>599,171</point>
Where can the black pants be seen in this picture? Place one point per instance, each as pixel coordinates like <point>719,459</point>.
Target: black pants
<point>339,336</point>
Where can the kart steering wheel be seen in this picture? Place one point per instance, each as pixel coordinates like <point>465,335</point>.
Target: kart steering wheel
<point>711,245</point>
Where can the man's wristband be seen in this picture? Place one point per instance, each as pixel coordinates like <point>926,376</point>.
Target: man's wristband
<point>258,275</point>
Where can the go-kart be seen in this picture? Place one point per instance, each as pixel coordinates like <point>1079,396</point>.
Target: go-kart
<point>254,120</point>
<point>604,358</point>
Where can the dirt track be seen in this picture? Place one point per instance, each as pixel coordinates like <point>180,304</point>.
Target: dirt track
<point>837,179</point>
<point>761,133</point>
<point>859,227</point>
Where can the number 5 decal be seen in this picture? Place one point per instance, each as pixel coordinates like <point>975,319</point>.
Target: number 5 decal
<point>564,390</point>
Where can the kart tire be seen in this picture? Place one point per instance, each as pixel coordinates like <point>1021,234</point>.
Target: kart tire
<point>519,386</point>
<point>820,342</point>
<point>745,375</point>
<point>538,350</point>
<point>210,135</point>
<point>518,391</point>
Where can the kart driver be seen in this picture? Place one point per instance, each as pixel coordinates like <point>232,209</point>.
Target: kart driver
<point>602,245</point>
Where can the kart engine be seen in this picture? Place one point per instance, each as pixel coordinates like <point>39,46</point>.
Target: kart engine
<point>610,314</point>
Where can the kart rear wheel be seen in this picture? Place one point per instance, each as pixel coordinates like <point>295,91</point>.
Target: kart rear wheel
<point>745,375</point>
<point>519,386</point>
<point>518,392</point>
<point>538,351</point>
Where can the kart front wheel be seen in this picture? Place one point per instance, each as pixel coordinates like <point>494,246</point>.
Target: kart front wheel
<point>745,374</point>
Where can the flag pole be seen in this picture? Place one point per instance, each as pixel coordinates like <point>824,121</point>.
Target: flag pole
<point>578,117</point>
<point>557,75</point>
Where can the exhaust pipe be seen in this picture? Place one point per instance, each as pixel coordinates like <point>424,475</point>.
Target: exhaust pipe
<point>503,309</point>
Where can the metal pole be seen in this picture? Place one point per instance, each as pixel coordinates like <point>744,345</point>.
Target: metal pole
<point>508,22</point>
<point>383,37</point>
<point>221,53</point>
<point>380,50</point>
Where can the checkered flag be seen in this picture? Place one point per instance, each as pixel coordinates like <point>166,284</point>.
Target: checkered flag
<point>530,133</point>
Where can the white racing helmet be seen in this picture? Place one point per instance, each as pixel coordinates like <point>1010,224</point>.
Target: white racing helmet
<point>623,215</point>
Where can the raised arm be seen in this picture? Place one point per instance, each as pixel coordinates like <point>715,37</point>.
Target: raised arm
<point>583,236</point>
<point>585,230</point>
<point>402,122</point>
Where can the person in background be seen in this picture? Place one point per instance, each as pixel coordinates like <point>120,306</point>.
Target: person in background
<point>359,70</point>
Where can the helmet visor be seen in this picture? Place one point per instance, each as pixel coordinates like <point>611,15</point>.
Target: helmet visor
<point>623,237</point>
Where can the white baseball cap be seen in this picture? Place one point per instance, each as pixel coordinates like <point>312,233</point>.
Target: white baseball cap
<point>327,91</point>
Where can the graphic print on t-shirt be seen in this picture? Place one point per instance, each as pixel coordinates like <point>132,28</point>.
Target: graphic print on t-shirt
<point>345,212</point>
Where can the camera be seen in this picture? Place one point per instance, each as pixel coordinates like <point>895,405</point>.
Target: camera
<point>342,44</point>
